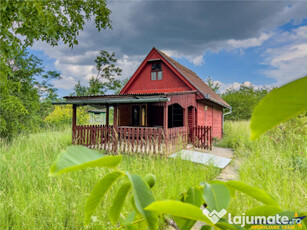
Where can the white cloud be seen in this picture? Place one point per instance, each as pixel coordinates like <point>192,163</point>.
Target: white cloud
<point>288,60</point>
<point>196,60</point>
<point>129,65</point>
<point>65,83</point>
<point>250,42</point>
<point>237,85</point>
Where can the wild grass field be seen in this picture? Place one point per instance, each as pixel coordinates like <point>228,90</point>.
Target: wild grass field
<point>31,200</point>
<point>276,163</point>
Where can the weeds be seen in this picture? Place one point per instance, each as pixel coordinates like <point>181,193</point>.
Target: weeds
<point>32,200</point>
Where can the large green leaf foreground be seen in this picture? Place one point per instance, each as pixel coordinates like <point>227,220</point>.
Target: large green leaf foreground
<point>278,106</point>
<point>79,157</point>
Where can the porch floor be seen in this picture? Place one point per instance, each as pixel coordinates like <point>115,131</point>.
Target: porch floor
<point>206,158</point>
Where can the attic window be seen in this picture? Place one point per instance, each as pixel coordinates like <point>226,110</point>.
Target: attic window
<point>156,71</point>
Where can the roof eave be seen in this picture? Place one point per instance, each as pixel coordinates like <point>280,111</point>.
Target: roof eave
<point>114,101</point>
<point>210,99</point>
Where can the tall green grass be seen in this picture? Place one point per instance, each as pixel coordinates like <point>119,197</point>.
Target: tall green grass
<point>276,163</point>
<point>32,200</point>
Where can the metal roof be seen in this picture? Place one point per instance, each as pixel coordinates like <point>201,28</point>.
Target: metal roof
<point>112,99</point>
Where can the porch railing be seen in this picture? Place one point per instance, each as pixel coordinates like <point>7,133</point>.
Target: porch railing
<point>130,139</point>
<point>201,137</point>
<point>141,139</point>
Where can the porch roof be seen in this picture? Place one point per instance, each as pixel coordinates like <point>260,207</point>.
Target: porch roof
<point>112,99</point>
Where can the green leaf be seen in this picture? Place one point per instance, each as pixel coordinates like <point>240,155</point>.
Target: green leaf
<point>192,196</point>
<point>119,201</point>
<point>80,157</point>
<point>263,210</point>
<point>223,224</point>
<point>180,209</point>
<point>98,193</point>
<point>129,218</point>
<point>206,227</point>
<point>254,192</point>
<point>142,198</point>
<point>216,196</point>
<point>278,106</point>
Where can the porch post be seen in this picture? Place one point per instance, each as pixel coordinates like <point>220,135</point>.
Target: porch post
<point>193,124</point>
<point>165,116</point>
<point>193,117</point>
<point>185,122</point>
<point>107,115</point>
<point>74,121</point>
<point>185,117</point>
<point>165,125</point>
<point>115,117</point>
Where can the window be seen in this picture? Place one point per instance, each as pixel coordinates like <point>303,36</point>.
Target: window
<point>156,66</point>
<point>159,75</point>
<point>153,76</point>
<point>156,71</point>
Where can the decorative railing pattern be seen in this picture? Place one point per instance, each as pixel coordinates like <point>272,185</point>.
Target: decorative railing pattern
<point>130,139</point>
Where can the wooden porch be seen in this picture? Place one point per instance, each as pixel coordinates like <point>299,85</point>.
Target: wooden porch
<point>154,123</point>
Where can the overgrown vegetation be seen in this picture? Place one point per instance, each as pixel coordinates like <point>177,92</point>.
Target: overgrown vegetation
<point>24,98</point>
<point>62,115</point>
<point>32,200</point>
<point>25,87</point>
<point>276,162</point>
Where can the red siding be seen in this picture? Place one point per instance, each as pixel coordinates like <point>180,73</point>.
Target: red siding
<point>143,83</point>
<point>210,116</point>
<point>217,123</point>
<point>201,114</point>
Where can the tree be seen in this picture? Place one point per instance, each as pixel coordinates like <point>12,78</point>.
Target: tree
<point>23,23</point>
<point>105,80</point>
<point>19,94</point>
<point>214,86</point>
<point>46,89</point>
<point>243,101</point>
<point>122,84</point>
<point>79,90</point>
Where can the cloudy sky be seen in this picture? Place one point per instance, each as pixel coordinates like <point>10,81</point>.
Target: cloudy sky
<point>262,42</point>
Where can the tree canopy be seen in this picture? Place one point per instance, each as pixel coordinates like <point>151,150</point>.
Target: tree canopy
<point>23,22</point>
<point>243,101</point>
<point>105,79</point>
<point>25,86</point>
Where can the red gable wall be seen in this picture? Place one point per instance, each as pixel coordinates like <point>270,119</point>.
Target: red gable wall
<point>142,82</point>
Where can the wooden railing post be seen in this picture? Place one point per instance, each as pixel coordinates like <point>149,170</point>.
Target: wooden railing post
<point>107,115</point>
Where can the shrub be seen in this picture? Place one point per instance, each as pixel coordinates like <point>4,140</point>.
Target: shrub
<point>62,115</point>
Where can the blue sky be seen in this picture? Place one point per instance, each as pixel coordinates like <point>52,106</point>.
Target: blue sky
<point>258,43</point>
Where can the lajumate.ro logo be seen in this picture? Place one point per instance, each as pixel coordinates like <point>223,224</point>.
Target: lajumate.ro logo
<point>279,221</point>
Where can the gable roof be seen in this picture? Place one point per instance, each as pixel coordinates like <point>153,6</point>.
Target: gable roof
<point>188,76</point>
<point>196,81</point>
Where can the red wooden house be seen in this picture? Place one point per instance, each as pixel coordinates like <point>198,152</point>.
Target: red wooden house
<point>163,99</point>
